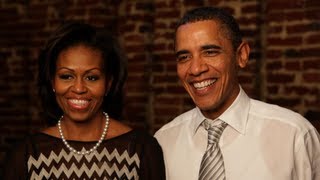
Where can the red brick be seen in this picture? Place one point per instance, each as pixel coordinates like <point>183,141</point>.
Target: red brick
<point>299,90</point>
<point>159,89</point>
<point>166,100</point>
<point>87,2</point>
<point>167,4</point>
<point>138,58</point>
<point>134,38</point>
<point>311,64</point>
<point>294,15</point>
<point>137,67</point>
<point>314,102</point>
<point>249,21</point>
<point>290,41</point>
<point>176,89</point>
<point>313,14</point>
<point>157,68</point>
<point>165,110</point>
<point>275,17</point>
<point>160,25</point>
<point>285,101</point>
<point>193,3</point>
<point>311,3</point>
<point>245,79</point>
<point>254,8</point>
<point>159,47</point>
<point>311,77</point>
<point>311,52</point>
<point>274,29</point>
<point>313,39</point>
<point>249,32</point>
<point>163,14</point>
<point>280,78</point>
<point>165,57</point>
<point>144,6</point>
<point>274,54</point>
<point>273,5</point>
<point>274,65</point>
<point>293,66</point>
<point>135,48</point>
<point>127,28</point>
<point>297,28</point>
<point>273,89</point>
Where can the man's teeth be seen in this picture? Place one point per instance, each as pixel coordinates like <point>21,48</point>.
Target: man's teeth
<point>203,84</point>
<point>78,102</point>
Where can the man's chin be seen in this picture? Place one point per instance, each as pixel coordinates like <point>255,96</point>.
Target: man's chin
<point>203,107</point>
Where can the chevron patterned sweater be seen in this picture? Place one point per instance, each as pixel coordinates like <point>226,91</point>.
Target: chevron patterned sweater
<point>134,155</point>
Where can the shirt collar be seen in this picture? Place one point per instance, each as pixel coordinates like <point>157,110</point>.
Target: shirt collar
<point>236,115</point>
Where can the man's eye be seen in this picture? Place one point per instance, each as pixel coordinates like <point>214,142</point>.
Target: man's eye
<point>65,76</point>
<point>182,58</point>
<point>210,53</point>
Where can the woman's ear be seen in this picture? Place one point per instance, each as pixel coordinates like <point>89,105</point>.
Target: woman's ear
<point>243,54</point>
<point>108,85</point>
<point>52,85</point>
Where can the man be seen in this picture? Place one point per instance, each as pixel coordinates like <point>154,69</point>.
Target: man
<point>259,140</point>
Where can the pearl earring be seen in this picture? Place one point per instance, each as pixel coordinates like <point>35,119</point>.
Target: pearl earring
<point>54,90</point>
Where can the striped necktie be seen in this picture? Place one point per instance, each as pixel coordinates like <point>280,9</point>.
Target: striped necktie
<point>212,166</point>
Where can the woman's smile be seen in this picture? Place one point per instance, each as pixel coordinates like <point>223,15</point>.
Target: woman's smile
<point>78,103</point>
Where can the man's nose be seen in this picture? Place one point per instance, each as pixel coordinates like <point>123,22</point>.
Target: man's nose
<point>198,66</point>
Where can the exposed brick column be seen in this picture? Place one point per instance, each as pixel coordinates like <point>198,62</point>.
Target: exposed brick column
<point>292,63</point>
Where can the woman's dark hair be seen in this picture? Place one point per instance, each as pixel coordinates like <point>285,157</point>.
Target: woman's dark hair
<point>76,33</point>
<point>213,13</point>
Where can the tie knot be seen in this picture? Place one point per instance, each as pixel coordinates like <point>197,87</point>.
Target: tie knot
<point>214,130</point>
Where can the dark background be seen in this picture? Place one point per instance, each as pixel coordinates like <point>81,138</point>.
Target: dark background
<point>284,65</point>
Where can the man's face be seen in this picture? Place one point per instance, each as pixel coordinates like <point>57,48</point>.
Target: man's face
<point>207,66</point>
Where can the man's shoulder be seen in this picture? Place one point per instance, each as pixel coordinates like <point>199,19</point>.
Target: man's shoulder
<point>268,111</point>
<point>177,122</point>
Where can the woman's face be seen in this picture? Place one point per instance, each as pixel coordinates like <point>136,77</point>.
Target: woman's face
<point>80,82</point>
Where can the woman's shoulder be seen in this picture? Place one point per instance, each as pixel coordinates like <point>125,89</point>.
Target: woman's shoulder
<point>29,139</point>
<point>29,142</point>
<point>117,128</point>
<point>25,146</point>
<point>143,137</point>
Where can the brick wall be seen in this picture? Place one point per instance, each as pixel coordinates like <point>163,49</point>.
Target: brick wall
<point>283,69</point>
<point>291,67</point>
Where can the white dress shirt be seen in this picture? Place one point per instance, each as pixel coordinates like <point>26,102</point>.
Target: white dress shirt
<point>261,142</point>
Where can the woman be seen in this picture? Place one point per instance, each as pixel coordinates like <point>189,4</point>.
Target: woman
<point>81,77</point>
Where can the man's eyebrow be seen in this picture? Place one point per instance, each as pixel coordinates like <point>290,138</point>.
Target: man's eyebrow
<point>178,53</point>
<point>210,46</point>
<point>204,47</point>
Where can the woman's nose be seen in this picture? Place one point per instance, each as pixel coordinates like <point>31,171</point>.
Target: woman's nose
<point>79,86</point>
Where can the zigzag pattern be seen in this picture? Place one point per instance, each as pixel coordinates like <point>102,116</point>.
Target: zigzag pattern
<point>37,166</point>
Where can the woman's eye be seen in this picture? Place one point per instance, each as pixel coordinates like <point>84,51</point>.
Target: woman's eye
<point>65,76</point>
<point>92,78</point>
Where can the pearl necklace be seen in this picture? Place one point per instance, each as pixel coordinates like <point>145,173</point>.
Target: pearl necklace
<point>94,147</point>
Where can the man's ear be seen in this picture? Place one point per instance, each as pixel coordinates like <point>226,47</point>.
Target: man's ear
<point>243,54</point>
